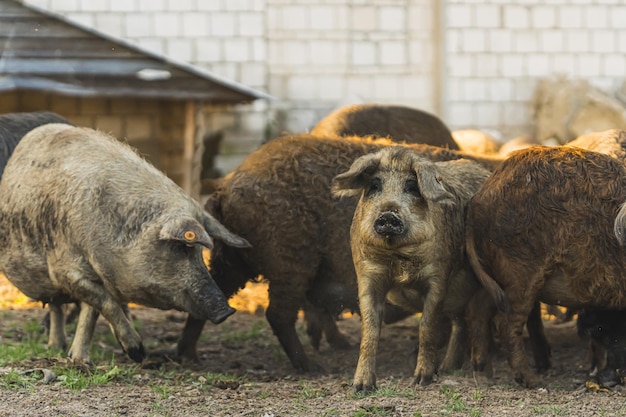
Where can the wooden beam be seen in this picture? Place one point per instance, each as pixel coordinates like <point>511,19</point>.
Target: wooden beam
<point>188,146</point>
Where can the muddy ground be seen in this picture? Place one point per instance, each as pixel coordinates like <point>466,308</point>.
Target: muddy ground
<point>244,372</point>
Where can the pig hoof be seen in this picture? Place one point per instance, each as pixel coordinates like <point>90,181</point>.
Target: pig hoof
<point>528,381</point>
<point>607,378</point>
<point>137,354</point>
<point>364,388</point>
<point>423,380</point>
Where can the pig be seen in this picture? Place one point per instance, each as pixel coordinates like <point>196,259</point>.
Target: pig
<point>13,126</point>
<point>517,143</point>
<point>606,331</point>
<point>541,229</point>
<point>279,200</point>
<point>399,123</point>
<point>407,235</point>
<point>610,142</point>
<point>84,217</point>
<point>472,140</point>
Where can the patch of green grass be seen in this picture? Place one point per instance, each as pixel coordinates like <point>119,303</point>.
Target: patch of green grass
<point>553,410</point>
<point>388,391</point>
<point>162,390</point>
<point>373,411</point>
<point>263,395</point>
<point>300,407</point>
<point>77,379</point>
<point>259,328</point>
<point>16,380</point>
<point>456,403</point>
<point>329,413</point>
<point>307,391</point>
<point>12,353</point>
<point>223,381</point>
<point>477,395</point>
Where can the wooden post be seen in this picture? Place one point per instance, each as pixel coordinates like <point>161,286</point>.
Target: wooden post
<point>189,139</point>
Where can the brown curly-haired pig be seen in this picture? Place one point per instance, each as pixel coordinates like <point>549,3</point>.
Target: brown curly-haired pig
<point>279,198</point>
<point>407,236</point>
<point>399,123</point>
<point>542,228</point>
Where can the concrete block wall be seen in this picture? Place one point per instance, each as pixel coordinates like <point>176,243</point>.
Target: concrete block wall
<point>330,53</point>
<point>475,63</point>
<point>497,51</point>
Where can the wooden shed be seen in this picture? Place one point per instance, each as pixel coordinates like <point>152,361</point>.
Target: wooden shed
<point>152,102</point>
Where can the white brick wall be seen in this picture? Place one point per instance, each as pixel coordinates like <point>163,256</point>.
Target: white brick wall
<point>493,66</point>
<point>317,55</point>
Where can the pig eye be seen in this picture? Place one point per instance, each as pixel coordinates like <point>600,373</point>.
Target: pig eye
<point>411,187</point>
<point>375,186</point>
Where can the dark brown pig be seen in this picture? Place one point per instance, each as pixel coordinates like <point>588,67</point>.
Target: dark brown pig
<point>407,236</point>
<point>399,123</point>
<point>279,200</point>
<point>541,228</point>
<point>606,331</point>
<point>13,126</point>
<point>83,217</point>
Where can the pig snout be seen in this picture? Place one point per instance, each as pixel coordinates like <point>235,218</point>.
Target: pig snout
<point>218,309</point>
<point>223,314</point>
<point>212,305</point>
<point>388,224</point>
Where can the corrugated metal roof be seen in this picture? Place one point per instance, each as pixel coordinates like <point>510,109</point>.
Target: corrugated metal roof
<point>40,50</point>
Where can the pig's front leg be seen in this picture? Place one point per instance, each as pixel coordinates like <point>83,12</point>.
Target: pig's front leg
<point>428,335</point>
<point>187,347</point>
<point>83,284</point>
<point>372,291</point>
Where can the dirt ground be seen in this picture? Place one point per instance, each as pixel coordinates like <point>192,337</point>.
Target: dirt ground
<point>244,372</point>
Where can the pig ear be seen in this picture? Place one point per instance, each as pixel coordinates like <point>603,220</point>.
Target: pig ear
<point>186,230</point>
<point>430,181</point>
<point>218,231</point>
<point>351,182</point>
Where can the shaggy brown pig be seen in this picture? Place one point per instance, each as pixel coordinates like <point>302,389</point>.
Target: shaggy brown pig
<point>407,236</point>
<point>610,142</point>
<point>399,123</point>
<point>83,217</point>
<point>279,199</point>
<point>541,228</point>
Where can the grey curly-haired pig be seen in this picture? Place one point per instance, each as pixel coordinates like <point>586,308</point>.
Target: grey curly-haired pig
<point>279,199</point>
<point>399,123</point>
<point>13,126</point>
<point>83,217</point>
<point>542,228</point>
<point>408,236</point>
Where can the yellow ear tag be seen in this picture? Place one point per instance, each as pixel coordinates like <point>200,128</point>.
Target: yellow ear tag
<point>190,236</point>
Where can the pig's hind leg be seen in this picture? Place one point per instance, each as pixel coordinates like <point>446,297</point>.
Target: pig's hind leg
<point>457,345</point>
<point>87,317</point>
<point>511,325</point>
<point>57,338</point>
<point>286,296</point>
<point>321,322</point>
